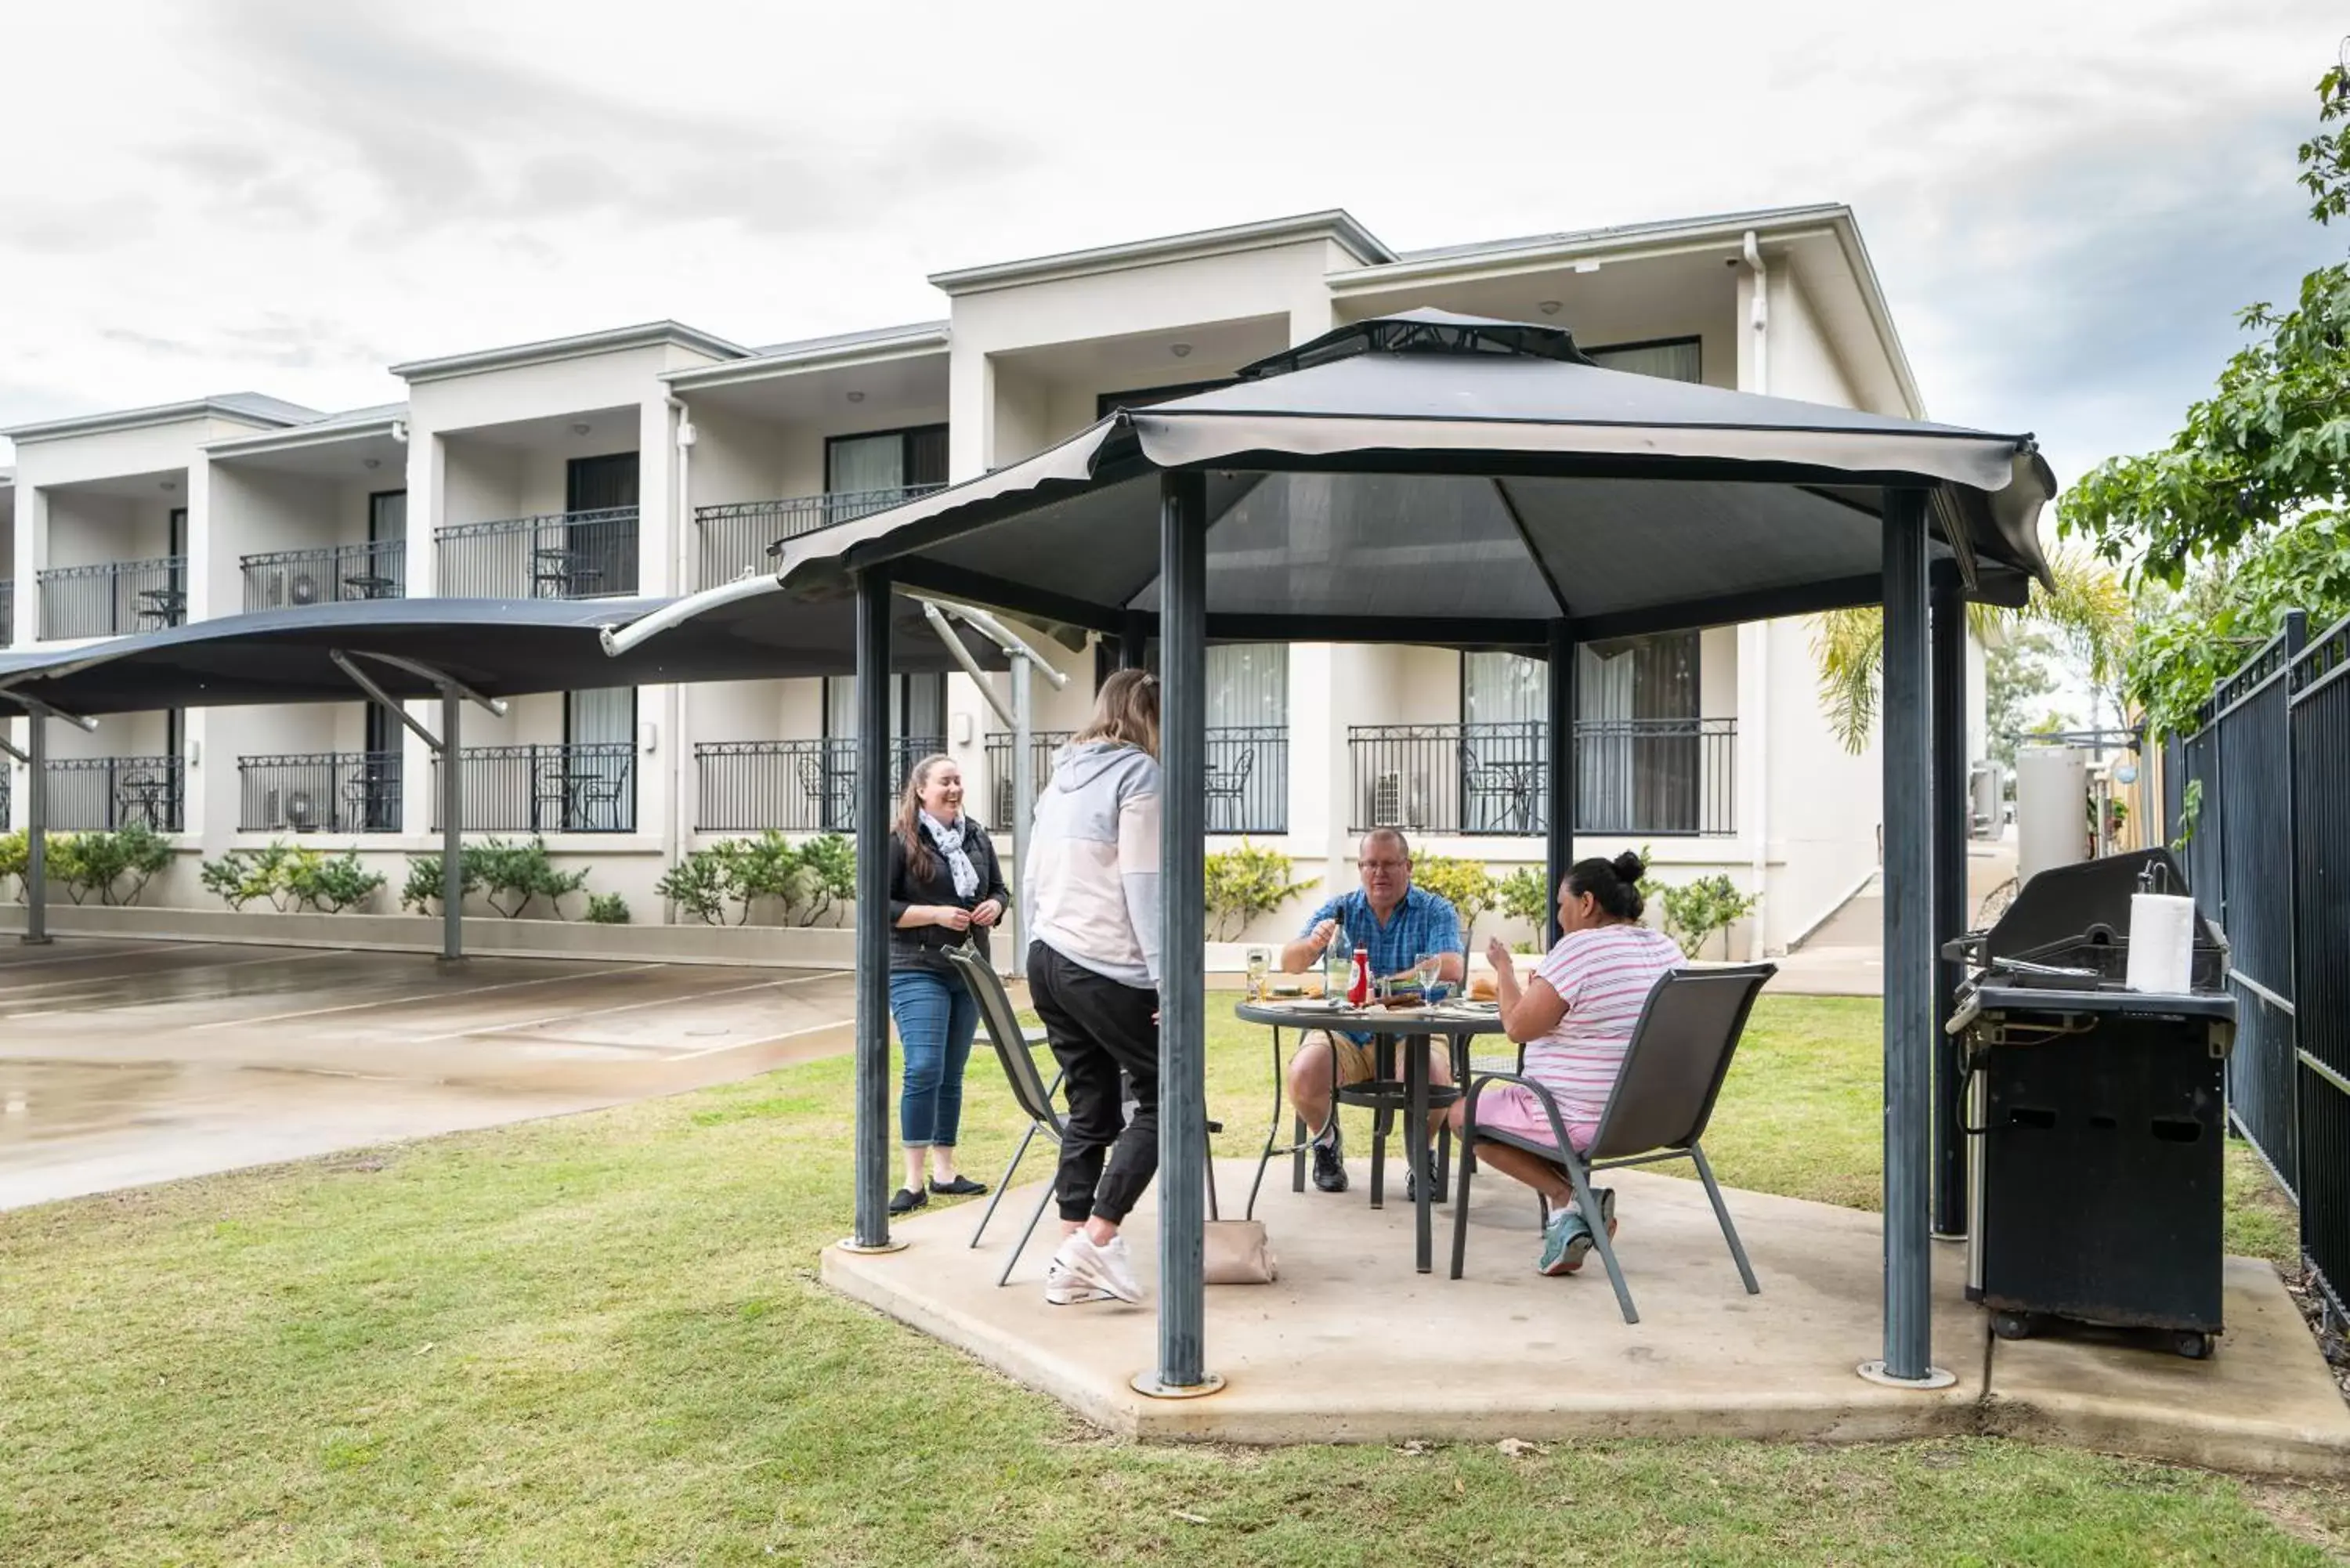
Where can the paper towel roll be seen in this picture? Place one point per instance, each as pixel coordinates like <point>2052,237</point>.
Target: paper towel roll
<point>2161,942</point>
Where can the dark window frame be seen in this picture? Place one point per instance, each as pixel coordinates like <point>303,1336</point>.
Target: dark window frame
<point>1694,339</point>
<point>905,434</point>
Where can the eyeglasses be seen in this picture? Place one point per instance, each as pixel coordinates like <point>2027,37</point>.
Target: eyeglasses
<point>1386,864</point>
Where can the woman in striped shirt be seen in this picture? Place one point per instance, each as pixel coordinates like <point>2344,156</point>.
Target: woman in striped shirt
<point>1574,1017</point>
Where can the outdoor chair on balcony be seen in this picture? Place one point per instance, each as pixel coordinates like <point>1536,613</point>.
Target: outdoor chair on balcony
<point>1664,1096</point>
<point>1496,795</point>
<point>160,607</point>
<point>371,796</point>
<point>1016,1048</point>
<point>597,793</point>
<point>831,791</point>
<point>1227,787</point>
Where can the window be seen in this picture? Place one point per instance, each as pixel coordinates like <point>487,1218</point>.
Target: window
<point>1637,731</point>
<point>593,788</point>
<point>1674,359</point>
<point>885,461</point>
<point>1248,684</point>
<point>917,709</point>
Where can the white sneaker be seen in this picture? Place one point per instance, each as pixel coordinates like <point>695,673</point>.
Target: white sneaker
<point>1109,1267</point>
<point>1063,1288</point>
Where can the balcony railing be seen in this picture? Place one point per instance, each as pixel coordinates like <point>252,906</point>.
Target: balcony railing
<point>736,537</point>
<point>561,555</point>
<point>1043,745</point>
<point>319,791</point>
<point>114,597</point>
<point>8,611</point>
<point>282,579</point>
<point>1654,777</point>
<point>104,794</point>
<point>590,787</point>
<point>796,786</point>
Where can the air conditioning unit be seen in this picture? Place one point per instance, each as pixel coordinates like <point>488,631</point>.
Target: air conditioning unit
<point>301,812</point>
<point>302,588</point>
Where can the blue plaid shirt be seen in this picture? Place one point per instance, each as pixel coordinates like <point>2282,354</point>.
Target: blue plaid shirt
<point>1423,923</point>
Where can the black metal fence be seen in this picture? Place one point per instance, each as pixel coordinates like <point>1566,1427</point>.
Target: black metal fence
<point>2259,797</point>
<point>8,611</point>
<point>589,787</point>
<point>796,786</point>
<point>319,791</point>
<point>1656,777</point>
<point>734,537</point>
<point>114,597</point>
<point>560,556</point>
<point>105,795</point>
<point>281,579</point>
<point>1043,745</point>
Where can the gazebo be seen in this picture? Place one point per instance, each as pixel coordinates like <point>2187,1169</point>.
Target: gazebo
<point>1438,479</point>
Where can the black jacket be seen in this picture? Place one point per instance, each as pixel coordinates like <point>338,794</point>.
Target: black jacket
<point>924,947</point>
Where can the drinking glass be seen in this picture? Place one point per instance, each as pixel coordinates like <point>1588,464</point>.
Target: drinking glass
<point>1430,965</point>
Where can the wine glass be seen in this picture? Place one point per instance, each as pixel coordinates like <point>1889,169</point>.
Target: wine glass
<point>1430,965</point>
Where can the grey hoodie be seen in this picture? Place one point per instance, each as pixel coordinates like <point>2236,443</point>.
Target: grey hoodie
<point>1091,883</point>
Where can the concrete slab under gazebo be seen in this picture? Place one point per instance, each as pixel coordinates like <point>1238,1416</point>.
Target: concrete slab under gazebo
<point>1429,478</point>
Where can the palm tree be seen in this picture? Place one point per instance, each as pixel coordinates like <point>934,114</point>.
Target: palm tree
<point>2088,611</point>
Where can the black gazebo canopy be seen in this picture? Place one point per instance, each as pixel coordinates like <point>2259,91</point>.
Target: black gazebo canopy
<point>1443,478</point>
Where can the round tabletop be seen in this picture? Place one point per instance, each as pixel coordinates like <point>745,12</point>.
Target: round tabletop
<point>1312,1013</point>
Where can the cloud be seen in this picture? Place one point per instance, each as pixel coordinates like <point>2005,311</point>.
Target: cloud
<point>79,227</point>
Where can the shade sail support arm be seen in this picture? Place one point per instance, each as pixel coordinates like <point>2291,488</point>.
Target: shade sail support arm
<point>494,706</point>
<point>384,699</point>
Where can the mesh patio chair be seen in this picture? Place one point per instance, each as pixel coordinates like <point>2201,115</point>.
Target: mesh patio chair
<point>1663,1098</point>
<point>1015,1049</point>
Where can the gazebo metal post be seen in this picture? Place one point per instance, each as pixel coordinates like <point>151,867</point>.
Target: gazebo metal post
<point>873,780</point>
<point>1024,801</point>
<point>1952,809</point>
<point>1133,642</point>
<point>1183,922</point>
<point>36,828</point>
<point>1909,962</point>
<point>1560,802</point>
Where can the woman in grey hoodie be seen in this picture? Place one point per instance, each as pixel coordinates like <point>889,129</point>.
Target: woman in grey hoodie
<point>1092,887</point>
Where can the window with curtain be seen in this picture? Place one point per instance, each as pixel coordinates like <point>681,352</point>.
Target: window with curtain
<point>1675,359</point>
<point>592,792</point>
<point>1639,744</point>
<point>1247,683</point>
<point>884,460</point>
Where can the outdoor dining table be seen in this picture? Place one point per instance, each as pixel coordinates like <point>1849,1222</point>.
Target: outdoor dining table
<point>1455,1021</point>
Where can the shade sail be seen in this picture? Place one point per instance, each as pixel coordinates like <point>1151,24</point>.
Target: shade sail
<point>500,647</point>
<point>1444,478</point>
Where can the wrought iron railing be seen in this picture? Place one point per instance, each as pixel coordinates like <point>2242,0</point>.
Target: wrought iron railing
<point>319,791</point>
<point>589,787</point>
<point>114,597</point>
<point>104,794</point>
<point>796,786</point>
<point>1042,744</point>
<point>560,556</point>
<point>1661,777</point>
<point>8,611</point>
<point>734,537</point>
<point>282,579</point>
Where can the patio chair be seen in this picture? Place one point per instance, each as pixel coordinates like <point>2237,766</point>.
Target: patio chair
<point>1015,1049</point>
<point>596,794</point>
<point>1489,791</point>
<point>1663,1098</point>
<point>1227,787</point>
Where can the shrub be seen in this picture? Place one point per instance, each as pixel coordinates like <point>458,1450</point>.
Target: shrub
<point>421,891</point>
<point>330,883</point>
<point>1695,910</point>
<point>607,910</point>
<point>15,852</point>
<point>1244,882</point>
<point>1466,885</point>
<point>804,881</point>
<point>101,863</point>
<point>1524,895</point>
<point>697,885</point>
<point>832,857</point>
<point>513,875</point>
<point>241,876</point>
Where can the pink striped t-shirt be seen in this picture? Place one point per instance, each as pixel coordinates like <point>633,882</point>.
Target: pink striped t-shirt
<point>1604,975</point>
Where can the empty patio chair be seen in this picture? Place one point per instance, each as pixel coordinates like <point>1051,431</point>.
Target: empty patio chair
<point>1015,1050</point>
<point>1663,1098</point>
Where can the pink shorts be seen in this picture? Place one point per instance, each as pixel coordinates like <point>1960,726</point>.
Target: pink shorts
<point>1512,1108</point>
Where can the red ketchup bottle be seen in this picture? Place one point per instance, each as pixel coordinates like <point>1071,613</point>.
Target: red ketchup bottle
<point>1359,990</point>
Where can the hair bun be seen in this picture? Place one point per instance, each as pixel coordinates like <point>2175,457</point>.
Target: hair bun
<point>1628,867</point>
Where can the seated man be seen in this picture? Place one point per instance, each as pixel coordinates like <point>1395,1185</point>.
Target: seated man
<point>1398,922</point>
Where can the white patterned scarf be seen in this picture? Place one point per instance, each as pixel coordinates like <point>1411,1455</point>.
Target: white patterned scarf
<point>949,842</point>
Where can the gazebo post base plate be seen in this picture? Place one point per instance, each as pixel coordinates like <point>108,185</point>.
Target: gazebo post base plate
<point>852,1245</point>
<point>1148,1383</point>
<point>1935,1378</point>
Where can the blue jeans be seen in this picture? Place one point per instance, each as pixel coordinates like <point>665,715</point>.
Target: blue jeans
<point>936,1020</point>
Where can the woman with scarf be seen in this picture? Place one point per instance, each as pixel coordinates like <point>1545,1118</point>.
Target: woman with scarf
<point>945,888</point>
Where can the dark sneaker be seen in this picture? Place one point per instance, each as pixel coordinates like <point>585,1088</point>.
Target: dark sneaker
<point>1330,1164</point>
<point>905,1201</point>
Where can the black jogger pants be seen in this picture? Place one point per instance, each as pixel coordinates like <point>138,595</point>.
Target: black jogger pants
<point>1099,1029</point>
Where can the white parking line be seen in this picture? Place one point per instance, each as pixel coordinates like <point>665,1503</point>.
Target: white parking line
<point>697,997</point>
<point>761,1040</point>
<point>109,953</point>
<point>177,998</point>
<point>420,996</point>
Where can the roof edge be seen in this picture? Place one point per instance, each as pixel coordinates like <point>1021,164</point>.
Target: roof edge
<point>1335,223</point>
<point>142,419</point>
<point>296,436</point>
<point>1634,239</point>
<point>821,354</point>
<point>547,350</point>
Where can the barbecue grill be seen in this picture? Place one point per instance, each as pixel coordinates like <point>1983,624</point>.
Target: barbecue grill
<point>2097,1115</point>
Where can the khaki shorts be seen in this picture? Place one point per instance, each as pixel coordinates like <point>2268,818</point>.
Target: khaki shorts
<point>1358,1060</point>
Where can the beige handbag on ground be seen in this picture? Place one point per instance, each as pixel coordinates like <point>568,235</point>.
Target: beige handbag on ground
<point>1235,1252</point>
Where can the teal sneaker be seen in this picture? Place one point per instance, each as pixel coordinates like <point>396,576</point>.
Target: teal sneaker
<point>1567,1241</point>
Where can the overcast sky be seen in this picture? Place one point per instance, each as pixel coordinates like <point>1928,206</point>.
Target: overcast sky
<point>2066,201</point>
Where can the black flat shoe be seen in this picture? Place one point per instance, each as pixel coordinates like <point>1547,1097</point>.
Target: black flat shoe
<point>905,1201</point>
<point>960,1187</point>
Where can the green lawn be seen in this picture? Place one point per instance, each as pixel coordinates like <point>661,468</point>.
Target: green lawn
<point>600,1340</point>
